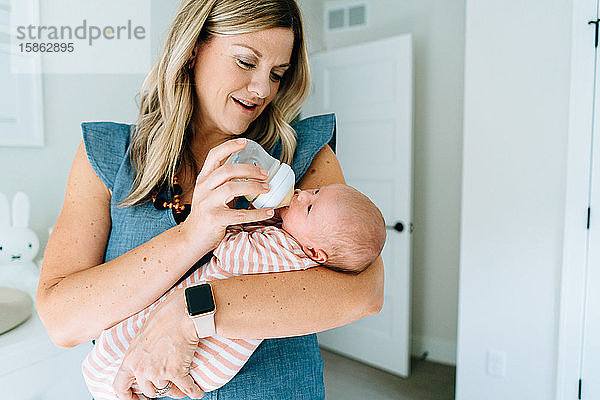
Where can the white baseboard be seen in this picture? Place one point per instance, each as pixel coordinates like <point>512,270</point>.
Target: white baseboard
<point>439,350</point>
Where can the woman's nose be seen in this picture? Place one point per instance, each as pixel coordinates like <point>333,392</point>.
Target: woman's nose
<point>260,86</point>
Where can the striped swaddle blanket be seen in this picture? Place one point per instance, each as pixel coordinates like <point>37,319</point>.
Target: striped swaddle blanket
<point>252,250</point>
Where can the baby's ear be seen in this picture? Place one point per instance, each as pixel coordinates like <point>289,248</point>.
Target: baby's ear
<point>317,255</point>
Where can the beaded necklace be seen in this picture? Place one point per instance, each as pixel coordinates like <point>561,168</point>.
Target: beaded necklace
<point>171,198</point>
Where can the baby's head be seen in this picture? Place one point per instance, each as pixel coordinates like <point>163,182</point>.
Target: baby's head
<point>336,225</point>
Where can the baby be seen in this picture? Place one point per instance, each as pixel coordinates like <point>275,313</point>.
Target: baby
<point>335,226</point>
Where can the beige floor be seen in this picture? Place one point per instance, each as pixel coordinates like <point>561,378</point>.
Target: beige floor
<point>347,379</point>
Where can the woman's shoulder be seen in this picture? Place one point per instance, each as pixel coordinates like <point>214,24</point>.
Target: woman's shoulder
<point>313,134</point>
<point>106,144</point>
<point>315,130</point>
<point>116,132</point>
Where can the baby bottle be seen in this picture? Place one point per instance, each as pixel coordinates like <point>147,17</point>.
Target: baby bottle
<point>281,176</point>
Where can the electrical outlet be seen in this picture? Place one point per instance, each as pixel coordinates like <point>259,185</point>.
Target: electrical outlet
<point>496,363</point>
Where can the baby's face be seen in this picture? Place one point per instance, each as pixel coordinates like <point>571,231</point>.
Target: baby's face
<point>308,212</point>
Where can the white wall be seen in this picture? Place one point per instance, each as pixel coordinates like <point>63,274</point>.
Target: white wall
<point>69,99</point>
<point>438,33</point>
<point>516,111</point>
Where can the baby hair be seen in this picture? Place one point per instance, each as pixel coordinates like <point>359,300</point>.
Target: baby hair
<point>357,237</point>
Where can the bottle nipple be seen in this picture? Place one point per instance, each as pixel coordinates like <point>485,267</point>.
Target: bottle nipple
<point>287,199</point>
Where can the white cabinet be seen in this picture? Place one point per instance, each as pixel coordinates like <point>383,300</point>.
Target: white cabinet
<point>33,368</point>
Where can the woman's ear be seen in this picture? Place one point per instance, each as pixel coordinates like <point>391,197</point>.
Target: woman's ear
<point>192,61</point>
<point>317,255</point>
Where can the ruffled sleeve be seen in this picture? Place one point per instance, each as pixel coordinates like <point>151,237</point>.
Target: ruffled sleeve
<point>106,145</point>
<point>313,134</point>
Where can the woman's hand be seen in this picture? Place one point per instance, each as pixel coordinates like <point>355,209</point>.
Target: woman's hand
<point>160,353</point>
<point>215,187</point>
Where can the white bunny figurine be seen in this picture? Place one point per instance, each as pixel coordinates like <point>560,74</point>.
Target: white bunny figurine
<point>18,245</point>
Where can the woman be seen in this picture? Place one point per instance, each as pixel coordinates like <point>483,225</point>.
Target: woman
<point>229,69</point>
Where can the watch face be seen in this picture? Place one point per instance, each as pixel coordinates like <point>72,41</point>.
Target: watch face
<point>199,299</point>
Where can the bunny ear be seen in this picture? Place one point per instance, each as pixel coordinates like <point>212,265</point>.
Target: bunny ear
<point>4,212</point>
<point>20,210</point>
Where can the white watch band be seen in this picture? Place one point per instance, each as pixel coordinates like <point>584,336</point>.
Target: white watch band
<point>205,324</point>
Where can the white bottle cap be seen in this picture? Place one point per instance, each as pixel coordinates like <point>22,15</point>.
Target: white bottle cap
<point>281,184</point>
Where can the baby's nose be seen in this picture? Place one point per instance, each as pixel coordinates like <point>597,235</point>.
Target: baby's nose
<point>305,196</point>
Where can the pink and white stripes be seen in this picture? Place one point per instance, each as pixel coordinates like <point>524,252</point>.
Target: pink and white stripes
<point>252,250</point>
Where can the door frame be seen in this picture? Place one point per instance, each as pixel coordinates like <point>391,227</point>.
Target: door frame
<point>573,270</point>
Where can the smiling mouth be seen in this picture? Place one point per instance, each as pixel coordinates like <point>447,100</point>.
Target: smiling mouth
<point>244,105</point>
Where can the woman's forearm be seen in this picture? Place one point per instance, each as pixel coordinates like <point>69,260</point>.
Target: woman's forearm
<point>76,308</point>
<point>295,303</point>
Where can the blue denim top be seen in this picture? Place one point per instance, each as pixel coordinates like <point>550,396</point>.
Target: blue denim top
<point>286,368</point>
<point>107,147</point>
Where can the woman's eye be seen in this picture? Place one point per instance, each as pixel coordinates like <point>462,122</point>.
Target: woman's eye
<point>245,64</point>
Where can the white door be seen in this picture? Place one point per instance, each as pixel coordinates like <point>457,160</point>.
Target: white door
<point>589,386</point>
<point>369,87</point>
<point>590,363</point>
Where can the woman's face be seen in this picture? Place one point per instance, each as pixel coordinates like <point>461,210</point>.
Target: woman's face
<point>237,76</point>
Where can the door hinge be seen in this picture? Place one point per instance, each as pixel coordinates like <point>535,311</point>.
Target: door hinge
<point>588,218</point>
<point>596,25</point>
<point>579,393</point>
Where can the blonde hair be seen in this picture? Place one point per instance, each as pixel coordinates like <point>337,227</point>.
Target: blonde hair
<point>161,140</point>
<point>358,235</point>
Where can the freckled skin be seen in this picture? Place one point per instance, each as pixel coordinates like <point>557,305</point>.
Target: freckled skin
<point>145,259</point>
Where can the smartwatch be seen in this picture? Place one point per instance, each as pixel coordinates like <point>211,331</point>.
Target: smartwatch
<point>200,305</point>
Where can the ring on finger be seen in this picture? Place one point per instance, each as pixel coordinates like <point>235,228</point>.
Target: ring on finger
<point>165,390</point>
